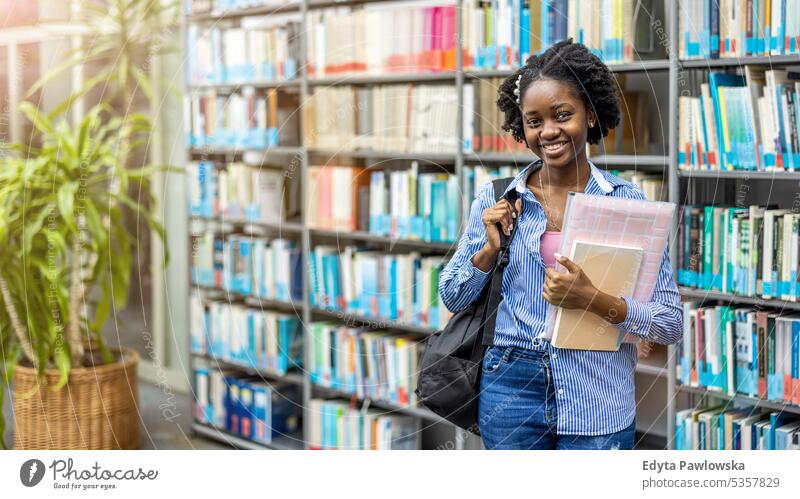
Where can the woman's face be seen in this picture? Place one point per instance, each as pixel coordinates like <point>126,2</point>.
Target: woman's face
<point>556,122</point>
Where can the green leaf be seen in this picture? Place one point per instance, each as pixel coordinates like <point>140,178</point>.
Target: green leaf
<point>66,202</point>
<point>40,121</point>
<point>34,227</point>
<point>63,364</point>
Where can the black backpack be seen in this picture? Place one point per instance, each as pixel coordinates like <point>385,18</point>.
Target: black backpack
<point>450,368</point>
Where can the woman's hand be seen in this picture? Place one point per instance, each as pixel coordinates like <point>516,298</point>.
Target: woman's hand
<point>572,289</point>
<point>501,213</point>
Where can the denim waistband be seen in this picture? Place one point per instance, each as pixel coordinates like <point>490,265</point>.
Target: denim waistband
<point>513,353</point>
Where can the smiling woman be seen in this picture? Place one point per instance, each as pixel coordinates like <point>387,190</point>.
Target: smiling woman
<point>534,395</point>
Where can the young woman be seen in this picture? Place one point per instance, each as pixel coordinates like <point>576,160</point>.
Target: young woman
<point>534,395</point>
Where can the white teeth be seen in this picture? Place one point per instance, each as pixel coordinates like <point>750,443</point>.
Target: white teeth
<point>553,147</point>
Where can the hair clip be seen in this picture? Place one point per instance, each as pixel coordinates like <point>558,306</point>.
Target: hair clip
<point>516,90</point>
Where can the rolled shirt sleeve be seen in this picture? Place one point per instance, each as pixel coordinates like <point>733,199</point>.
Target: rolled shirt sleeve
<point>661,319</point>
<point>460,283</point>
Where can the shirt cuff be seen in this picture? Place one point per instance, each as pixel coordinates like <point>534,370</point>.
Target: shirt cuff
<point>639,318</point>
<point>472,276</point>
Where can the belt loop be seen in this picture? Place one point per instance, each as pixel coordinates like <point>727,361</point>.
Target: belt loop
<point>507,353</point>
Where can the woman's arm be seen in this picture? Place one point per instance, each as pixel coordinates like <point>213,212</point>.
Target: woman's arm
<point>465,275</point>
<point>660,320</point>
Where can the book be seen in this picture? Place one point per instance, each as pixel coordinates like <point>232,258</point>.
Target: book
<point>738,28</point>
<point>391,117</point>
<point>619,222</point>
<point>612,269</point>
<point>336,425</point>
<point>501,35</point>
<point>266,50</point>
<point>401,288</point>
<point>245,118</point>
<point>368,364</point>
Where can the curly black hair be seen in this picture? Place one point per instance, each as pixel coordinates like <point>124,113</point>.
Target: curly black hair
<point>571,63</point>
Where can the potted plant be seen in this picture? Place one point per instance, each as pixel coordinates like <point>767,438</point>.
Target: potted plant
<point>66,253</point>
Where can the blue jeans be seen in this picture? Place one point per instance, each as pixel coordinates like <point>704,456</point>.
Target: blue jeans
<point>517,405</point>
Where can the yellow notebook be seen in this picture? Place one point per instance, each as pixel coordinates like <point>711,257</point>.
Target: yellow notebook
<point>613,270</point>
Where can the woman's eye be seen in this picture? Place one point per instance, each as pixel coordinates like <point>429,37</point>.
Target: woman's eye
<point>534,122</point>
<point>562,116</point>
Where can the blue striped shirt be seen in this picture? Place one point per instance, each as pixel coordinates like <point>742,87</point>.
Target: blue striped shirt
<point>594,390</point>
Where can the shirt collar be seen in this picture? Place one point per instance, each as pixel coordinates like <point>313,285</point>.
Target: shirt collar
<point>600,182</point>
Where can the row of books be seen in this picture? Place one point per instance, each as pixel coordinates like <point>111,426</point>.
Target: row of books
<point>729,428</point>
<point>245,335</point>
<point>386,287</point>
<point>737,28</point>
<point>334,424</point>
<point>237,192</point>
<point>483,121</point>
<point>224,6</point>
<point>267,51</point>
<point>749,251</point>
<point>408,204</point>
<point>396,118</point>
<point>653,186</point>
<point>503,34</point>
<point>382,38</point>
<point>248,407</point>
<point>248,265</point>
<point>368,364</point>
<point>244,119</point>
<point>742,122</point>
<point>741,350</point>
<point>403,204</point>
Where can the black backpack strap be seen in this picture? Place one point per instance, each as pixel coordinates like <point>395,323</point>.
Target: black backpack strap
<point>494,293</point>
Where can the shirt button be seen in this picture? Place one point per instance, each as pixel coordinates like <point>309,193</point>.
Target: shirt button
<point>555,356</point>
<point>561,391</point>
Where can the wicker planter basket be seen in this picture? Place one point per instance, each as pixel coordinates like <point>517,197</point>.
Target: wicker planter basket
<point>96,409</point>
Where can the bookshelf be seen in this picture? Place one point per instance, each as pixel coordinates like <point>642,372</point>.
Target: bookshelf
<point>659,369</point>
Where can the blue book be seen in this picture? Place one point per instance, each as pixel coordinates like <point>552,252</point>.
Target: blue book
<point>715,81</point>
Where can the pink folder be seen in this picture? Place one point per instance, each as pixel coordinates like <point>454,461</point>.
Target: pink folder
<point>617,221</point>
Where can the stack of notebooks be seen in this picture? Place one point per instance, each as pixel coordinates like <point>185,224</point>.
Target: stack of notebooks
<point>742,122</point>
<point>244,335</point>
<point>392,287</point>
<point>368,364</point>
<point>738,28</point>
<point>335,425</point>
<point>380,38</point>
<point>751,251</point>
<point>247,407</point>
<point>741,351</point>
<point>245,119</point>
<point>393,118</point>
<point>247,265</point>
<point>237,192</point>
<point>730,428</point>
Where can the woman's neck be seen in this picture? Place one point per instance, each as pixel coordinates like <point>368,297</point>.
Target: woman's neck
<point>571,177</point>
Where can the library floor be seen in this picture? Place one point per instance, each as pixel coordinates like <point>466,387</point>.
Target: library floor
<point>170,433</point>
